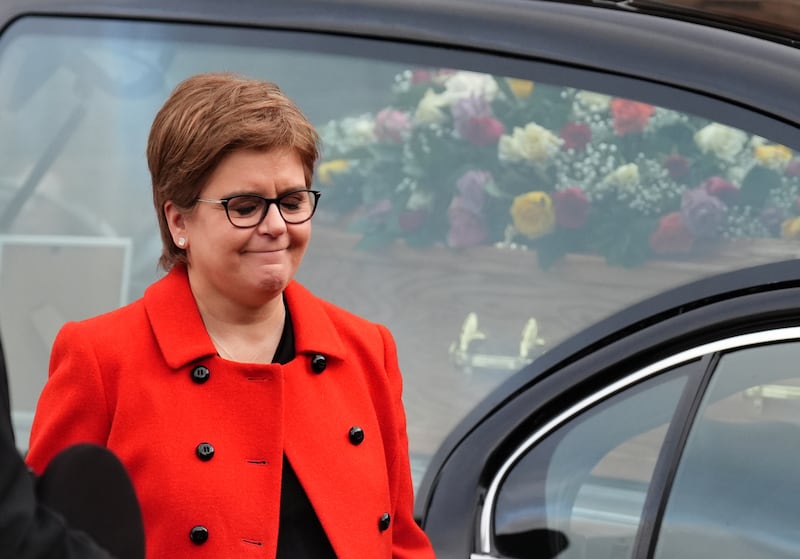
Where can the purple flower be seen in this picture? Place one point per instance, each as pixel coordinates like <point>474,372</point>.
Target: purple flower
<point>466,211</point>
<point>702,213</point>
<point>471,188</point>
<point>467,228</point>
<point>470,107</point>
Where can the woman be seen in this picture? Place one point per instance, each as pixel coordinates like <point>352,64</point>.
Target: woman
<point>255,419</point>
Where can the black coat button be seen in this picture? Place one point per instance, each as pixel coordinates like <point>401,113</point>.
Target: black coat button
<point>199,535</point>
<point>384,522</point>
<point>200,374</point>
<point>356,435</point>
<point>204,451</point>
<point>318,363</point>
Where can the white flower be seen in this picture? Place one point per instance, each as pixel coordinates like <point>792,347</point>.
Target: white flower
<point>723,141</point>
<point>470,84</point>
<point>625,177</point>
<point>358,131</point>
<point>429,109</point>
<point>419,200</point>
<point>593,102</point>
<point>532,144</point>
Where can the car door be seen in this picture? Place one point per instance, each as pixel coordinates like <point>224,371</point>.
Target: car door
<point>673,437</point>
<point>410,231</point>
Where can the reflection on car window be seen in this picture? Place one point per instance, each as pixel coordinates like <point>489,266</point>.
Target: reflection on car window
<point>483,217</point>
<point>735,487</point>
<point>583,488</point>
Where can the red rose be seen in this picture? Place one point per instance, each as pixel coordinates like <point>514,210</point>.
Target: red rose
<point>722,189</point>
<point>677,166</point>
<point>630,116</point>
<point>672,236</point>
<point>576,135</point>
<point>571,207</point>
<point>480,130</point>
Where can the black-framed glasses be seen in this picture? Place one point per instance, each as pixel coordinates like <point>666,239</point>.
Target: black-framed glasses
<point>249,210</point>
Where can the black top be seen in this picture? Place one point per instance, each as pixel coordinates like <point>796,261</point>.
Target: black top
<point>300,535</point>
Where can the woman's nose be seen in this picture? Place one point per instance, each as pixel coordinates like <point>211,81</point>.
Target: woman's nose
<point>273,222</point>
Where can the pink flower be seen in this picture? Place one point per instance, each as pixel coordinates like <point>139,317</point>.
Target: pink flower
<point>793,168</point>
<point>630,116</point>
<point>571,207</point>
<point>420,76</point>
<point>392,125</point>
<point>672,236</point>
<point>576,135</point>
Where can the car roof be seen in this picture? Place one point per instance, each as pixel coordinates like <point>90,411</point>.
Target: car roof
<point>780,18</point>
<point>668,51</point>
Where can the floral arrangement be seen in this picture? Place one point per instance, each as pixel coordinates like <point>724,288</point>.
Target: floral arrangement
<point>461,159</point>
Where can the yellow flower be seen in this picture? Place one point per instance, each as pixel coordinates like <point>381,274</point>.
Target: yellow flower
<point>532,214</point>
<point>521,88</point>
<point>327,170</point>
<point>774,156</point>
<point>790,229</point>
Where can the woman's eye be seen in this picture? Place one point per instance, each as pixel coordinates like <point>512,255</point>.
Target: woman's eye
<point>243,207</point>
<point>294,201</point>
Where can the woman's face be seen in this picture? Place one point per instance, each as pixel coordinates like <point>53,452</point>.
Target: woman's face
<point>247,266</point>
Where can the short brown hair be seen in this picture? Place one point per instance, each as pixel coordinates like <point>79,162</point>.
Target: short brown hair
<point>207,117</point>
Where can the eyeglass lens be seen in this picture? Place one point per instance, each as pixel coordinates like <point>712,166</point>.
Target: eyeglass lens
<point>247,210</point>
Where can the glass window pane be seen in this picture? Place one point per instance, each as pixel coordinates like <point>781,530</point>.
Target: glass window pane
<point>584,486</point>
<point>482,208</point>
<point>734,489</point>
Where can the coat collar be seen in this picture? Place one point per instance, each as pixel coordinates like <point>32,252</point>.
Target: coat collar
<point>182,337</point>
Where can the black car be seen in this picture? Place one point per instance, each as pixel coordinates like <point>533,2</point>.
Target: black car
<point>579,219</point>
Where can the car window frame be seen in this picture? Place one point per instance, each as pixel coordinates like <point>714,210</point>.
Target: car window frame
<point>704,359</point>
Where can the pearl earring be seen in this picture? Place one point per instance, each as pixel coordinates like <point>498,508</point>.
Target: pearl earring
<point>181,242</point>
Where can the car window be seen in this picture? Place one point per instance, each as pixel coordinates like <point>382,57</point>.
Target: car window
<point>483,208</point>
<point>582,488</point>
<point>734,488</point>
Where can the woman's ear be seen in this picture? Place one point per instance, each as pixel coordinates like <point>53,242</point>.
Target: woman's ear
<point>176,221</point>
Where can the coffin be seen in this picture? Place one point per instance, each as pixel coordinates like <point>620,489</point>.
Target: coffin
<point>425,295</point>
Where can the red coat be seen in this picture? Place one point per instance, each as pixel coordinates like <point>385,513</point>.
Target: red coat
<point>145,381</point>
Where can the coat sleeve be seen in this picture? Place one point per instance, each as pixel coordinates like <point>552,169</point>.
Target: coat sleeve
<point>73,406</point>
<point>408,539</point>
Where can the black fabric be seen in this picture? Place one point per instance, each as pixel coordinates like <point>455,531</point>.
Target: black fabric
<point>300,535</point>
<point>90,488</point>
<point>29,530</point>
